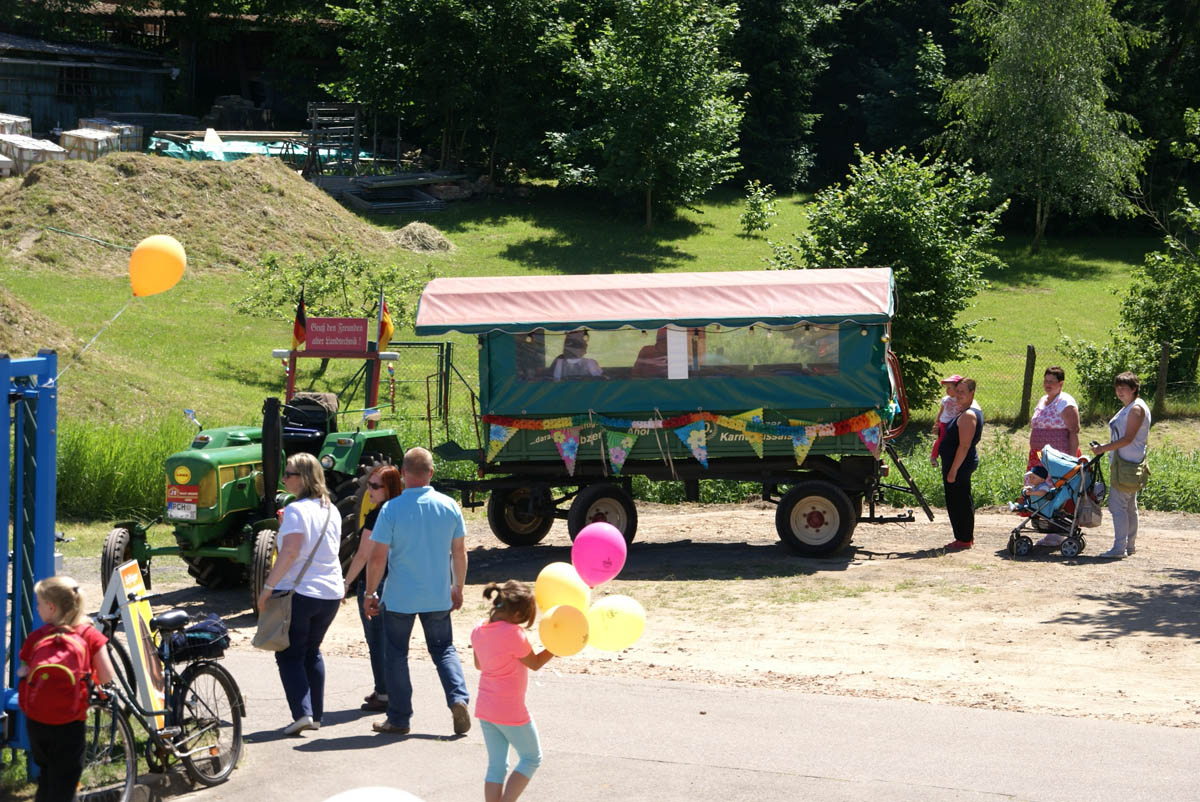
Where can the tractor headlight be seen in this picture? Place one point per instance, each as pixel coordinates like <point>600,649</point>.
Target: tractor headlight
<point>327,462</point>
<point>207,495</point>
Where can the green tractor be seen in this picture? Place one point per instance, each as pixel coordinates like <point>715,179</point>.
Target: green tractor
<point>223,493</point>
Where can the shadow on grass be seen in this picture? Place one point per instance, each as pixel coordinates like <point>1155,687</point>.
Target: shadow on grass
<point>1067,259</point>
<point>1168,610</point>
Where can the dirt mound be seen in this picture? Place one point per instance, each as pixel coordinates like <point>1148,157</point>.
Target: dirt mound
<point>23,331</point>
<point>224,213</point>
<point>422,238</point>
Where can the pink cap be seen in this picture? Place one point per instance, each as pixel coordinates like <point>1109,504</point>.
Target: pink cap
<point>952,379</point>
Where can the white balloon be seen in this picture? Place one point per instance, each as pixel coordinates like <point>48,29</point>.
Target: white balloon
<point>374,793</point>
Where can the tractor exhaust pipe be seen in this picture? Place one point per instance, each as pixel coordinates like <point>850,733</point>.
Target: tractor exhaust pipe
<point>272,447</point>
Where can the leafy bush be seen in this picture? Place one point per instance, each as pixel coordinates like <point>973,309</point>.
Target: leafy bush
<point>1097,365</point>
<point>925,219</point>
<point>760,207</point>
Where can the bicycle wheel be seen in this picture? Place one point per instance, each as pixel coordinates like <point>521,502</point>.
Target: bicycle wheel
<point>209,714</point>
<point>122,665</point>
<point>110,756</point>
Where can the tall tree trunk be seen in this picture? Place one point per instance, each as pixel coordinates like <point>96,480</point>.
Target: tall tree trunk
<point>649,208</point>
<point>1040,217</point>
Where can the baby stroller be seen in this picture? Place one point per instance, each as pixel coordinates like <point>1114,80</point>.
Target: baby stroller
<point>1072,480</point>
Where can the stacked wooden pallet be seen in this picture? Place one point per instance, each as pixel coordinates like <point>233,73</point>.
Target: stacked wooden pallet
<point>394,194</point>
<point>129,136</point>
<point>26,151</point>
<point>88,144</point>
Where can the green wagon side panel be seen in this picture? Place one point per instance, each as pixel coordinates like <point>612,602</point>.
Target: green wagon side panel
<point>860,383</point>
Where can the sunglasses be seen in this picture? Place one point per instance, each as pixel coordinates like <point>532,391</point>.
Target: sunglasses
<point>375,485</point>
<point>288,474</point>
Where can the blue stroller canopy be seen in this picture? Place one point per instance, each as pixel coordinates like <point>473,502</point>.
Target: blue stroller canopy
<point>1060,464</point>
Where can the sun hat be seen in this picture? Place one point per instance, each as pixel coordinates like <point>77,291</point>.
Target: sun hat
<point>952,379</point>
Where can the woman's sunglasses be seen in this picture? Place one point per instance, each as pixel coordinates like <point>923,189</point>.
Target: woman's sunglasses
<point>375,485</point>
<point>288,474</point>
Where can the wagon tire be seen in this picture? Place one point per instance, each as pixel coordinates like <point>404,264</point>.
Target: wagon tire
<point>511,523</point>
<point>603,502</point>
<point>815,519</point>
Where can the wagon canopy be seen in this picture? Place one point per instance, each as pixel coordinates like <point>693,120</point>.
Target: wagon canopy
<point>862,295</point>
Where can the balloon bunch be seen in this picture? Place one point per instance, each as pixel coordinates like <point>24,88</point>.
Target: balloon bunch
<point>562,592</point>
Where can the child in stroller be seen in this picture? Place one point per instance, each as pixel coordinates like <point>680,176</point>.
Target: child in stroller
<point>1063,479</point>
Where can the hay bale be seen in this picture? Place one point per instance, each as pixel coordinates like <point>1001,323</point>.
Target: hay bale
<point>422,238</point>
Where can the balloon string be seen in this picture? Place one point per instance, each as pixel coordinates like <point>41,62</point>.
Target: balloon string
<point>89,343</point>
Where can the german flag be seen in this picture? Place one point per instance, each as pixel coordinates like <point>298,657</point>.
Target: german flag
<point>385,324</point>
<point>300,324</point>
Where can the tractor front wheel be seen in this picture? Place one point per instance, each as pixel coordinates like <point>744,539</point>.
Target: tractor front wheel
<point>260,568</point>
<point>118,550</point>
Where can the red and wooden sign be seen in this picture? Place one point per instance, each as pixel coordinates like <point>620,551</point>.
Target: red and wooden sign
<point>336,334</point>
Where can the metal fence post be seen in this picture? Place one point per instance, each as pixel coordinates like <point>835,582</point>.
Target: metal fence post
<point>1160,390</point>
<point>1027,386</point>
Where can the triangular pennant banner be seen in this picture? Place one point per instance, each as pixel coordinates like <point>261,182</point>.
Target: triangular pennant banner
<point>800,446</point>
<point>619,444</point>
<point>694,438</point>
<point>498,437</point>
<point>871,438</point>
<point>567,443</point>
<point>755,439</point>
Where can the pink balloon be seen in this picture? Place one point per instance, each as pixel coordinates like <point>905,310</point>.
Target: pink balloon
<point>598,553</point>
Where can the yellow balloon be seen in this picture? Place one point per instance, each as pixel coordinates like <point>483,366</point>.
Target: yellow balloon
<point>615,623</point>
<point>559,583</point>
<point>156,265</point>
<point>564,630</point>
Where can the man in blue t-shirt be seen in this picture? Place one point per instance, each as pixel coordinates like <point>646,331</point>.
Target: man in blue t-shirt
<point>419,535</point>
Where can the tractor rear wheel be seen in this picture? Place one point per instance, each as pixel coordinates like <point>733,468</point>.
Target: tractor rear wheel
<point>260,569</point>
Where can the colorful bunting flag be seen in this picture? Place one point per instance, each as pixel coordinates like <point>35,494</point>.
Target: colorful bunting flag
<point>755,439</point>
<point>498,437</point>
<point>800,446</point>
<point>871,439</point>
<point>694,438</point>
<point>619,445</point>
<point>567,443</point>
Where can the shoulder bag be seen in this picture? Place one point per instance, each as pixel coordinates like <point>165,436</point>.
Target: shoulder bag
<point>1129,477</point>
<point>275,617</point>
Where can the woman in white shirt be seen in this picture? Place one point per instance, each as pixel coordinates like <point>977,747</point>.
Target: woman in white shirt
<point>312,526</point>
<point>1055,420</point>
<point>1130,433</point>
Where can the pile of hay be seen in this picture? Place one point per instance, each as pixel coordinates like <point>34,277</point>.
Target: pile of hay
<point>422,238</point>
<point>24,332</point>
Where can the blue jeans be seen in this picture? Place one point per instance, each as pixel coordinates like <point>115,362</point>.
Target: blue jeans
<point>524,739</point>
<point>439,637</point>
<point>301,668</point>
<point>375,637</point>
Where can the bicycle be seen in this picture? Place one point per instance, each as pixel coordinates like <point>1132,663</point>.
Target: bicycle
<point>202,717</point>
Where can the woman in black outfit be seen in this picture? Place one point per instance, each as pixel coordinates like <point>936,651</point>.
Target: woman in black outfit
<point>959,460</point>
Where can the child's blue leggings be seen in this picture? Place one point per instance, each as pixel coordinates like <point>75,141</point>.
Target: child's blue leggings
<point>524,739</point>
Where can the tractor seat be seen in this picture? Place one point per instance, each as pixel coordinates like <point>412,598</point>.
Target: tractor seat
<point>170,621</point>
<point>300,438</point>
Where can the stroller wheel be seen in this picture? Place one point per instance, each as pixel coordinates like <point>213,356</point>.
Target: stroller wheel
<point>1072,546</point>
<point>1020,545</point>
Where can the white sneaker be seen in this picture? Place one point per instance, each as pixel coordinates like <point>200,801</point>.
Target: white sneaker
<point>316,725</point>
<point>1112,554</point>
<point>299,725</point>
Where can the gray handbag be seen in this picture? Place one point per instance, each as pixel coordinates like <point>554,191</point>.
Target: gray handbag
<point>275,617</point>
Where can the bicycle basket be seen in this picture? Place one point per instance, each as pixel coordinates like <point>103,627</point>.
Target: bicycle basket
<point>208,638</point>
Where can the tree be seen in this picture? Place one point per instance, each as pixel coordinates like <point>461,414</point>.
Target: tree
<point>1038,120</point>
<point>926,219</point>
<point>776,46</point>
<point>655,105</point>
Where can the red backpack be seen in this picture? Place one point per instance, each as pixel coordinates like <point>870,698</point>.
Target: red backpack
<point>55,691</point>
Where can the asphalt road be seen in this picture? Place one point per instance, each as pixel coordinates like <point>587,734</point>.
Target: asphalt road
<point>624,739</point>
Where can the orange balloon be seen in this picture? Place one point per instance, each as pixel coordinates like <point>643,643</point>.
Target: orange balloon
<point>156,265</point>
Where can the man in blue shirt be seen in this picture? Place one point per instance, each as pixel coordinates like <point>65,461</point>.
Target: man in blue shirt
<point>419,535</point>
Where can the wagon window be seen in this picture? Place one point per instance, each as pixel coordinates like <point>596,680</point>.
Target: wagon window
<point>800,350</point>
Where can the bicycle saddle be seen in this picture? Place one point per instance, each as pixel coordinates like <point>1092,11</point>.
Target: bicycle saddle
<point>170,621</point>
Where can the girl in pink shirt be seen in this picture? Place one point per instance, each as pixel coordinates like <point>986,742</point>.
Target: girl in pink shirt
<point>503,656</point>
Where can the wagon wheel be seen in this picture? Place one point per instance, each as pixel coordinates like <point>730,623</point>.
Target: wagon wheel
<point>815,519</point>
<point>603,502</point>
<point>517,516</point>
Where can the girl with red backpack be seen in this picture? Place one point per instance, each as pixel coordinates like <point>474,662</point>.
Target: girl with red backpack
<point>57,661</point>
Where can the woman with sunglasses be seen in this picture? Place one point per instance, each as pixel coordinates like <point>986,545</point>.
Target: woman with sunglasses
<point>383,483</point>
<point>310,536</point>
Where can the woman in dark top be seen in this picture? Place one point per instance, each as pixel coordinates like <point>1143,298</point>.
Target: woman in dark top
<point>959,460</point>
<point>383,484</point>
